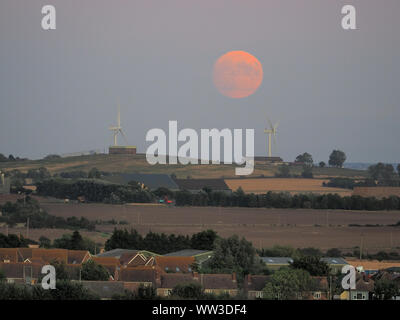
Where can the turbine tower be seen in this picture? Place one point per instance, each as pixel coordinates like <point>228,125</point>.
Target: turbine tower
<point>271,133</point>
<point>117,129</point>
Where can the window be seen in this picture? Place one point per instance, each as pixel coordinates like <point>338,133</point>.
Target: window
<point>317,295</point>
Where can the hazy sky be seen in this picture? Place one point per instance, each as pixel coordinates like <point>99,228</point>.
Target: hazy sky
<point>329,88</point>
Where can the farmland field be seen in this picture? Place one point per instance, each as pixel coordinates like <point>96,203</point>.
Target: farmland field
<point>291,185</point>
<point>264,227</point>
<point>138,164</point>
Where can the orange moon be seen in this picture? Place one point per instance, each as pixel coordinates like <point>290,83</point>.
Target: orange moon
<point>237,74</point>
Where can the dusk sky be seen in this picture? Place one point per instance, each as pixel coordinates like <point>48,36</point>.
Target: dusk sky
<point>329,88</point>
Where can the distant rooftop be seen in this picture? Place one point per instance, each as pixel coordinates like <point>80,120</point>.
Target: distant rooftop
<point>186,253</point>
<point>277,260</point>
<point>330,260</point>
<point>117,253</point>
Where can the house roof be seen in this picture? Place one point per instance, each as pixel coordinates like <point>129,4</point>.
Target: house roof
<point>199,184</point>
<point>174,264</point>
<point>170,280</point>
<point>77,256</point>
<point>106,261</point>
<point>10,254</point>
<point>117,253</point>
<point>334,261</point>
<point>363,285</point>
<point>321,283</point>
<point>138,274</point>
<point>49,255</point>
<point>218,281</point>
<point>186,253</point>
<point>277,260</point>
<point>16,270</point>
<point>255,282</point>
<point>208,281</point>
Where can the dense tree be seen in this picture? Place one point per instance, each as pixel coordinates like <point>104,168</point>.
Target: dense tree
<point>92,271</point>
<point>305,158</point>
<point>398,169</point>
<point>307,172</point>
<point>288,284</point>
<point>381,171</point>
<point>74,242</point>
<point>203,240</point>
<point>93,191</point>
<point>322,164</point>
<point>334,252</point>
<point>189,290</point>
<point>235,255</point>
<point>44,242</point>
<point>3,158</point>
<point>52,157</point>
<point>283,171</point>
<point>312,264</point>
<point>22,209</point>
<point>386,289</point>
<point>337,158</point>
<point>94,173</point>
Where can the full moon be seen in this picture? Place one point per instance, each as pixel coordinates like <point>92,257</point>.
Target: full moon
<point>237,74</point>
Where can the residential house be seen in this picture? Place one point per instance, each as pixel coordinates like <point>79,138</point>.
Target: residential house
<point>364,289</point>
<point>335,264</point>
<point>200,256</point>
<point>112,265</point>
<point>253,286</point>
<point>172,264</point>
<point>212,283</point>
<point>275,263</point>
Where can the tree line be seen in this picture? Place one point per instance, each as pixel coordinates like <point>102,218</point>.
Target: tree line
<point>29,208</point>
<point>93,191</point>
<point>285,200</point>
<point>160,242</point>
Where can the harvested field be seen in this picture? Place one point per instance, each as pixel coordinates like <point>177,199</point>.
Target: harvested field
<point>264,227</point>
<point>291,185</point>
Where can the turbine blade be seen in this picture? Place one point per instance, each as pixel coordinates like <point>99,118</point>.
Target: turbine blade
<point>270,124</point>
<point>123,135</point>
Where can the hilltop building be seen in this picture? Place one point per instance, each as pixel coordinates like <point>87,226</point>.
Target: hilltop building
<point>128,150</point>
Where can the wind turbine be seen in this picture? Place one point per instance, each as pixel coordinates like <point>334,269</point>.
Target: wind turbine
<point>117,129</point>
<point>271,133</point>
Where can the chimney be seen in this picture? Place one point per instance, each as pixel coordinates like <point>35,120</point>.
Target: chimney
<point>158,278</point>
<point>195,275</point>
<point>233,276</point>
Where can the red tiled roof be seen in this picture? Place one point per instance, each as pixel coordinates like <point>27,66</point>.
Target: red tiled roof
<point>174,264</point>
<point>218,281</point>
<point>138,274</point>
<point>10,254</point>
<point>255,282</point>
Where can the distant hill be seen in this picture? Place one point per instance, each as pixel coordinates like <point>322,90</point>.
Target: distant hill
<point>362,165</point>
<point>138,164</point>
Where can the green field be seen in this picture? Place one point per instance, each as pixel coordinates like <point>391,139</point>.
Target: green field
<point>138,164</point>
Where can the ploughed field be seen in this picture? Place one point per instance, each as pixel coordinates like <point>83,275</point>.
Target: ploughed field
<point>264,227</point>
